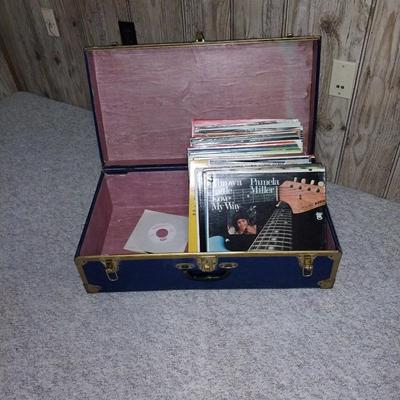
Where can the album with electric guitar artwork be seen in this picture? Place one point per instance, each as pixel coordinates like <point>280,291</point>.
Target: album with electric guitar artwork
<point>258,209</point>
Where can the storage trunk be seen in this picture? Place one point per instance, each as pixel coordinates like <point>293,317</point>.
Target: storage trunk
<point>144,100</point>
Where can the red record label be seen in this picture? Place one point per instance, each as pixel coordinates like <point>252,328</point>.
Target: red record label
<point>163,232</point>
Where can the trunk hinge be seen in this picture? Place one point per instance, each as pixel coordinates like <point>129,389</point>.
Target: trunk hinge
<point>199,37</point>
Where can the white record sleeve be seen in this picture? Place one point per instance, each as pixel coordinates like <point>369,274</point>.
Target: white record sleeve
<point>158,232</point>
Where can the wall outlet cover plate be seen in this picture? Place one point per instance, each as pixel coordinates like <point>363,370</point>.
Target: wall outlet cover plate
<point>342,78</point>
<point>50,22</point>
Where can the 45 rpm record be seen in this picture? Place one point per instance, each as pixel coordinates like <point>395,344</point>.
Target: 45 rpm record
<point>163,232</point>
<point>158,232</point>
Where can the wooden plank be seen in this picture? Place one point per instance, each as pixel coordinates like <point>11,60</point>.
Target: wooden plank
<point>100,20</point>
<point>373,139</point>
<point>258,18</point>
<point>211,17</point>
<point>157,21</point>
<point>7,84</point>
<point>45,65</point>
<point>393,187</point>
<point>23,45</point>
<point>63,57</point>
<point>342,26</point>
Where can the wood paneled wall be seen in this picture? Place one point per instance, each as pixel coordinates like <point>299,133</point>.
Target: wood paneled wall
<point>370,153</point>
<point>7,81</point>
<point>358,139</point>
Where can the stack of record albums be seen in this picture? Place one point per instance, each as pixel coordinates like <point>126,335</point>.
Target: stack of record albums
<point>252,188</point>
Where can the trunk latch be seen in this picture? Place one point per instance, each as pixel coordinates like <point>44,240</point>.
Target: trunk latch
<point>207,263</point>
<point>111,268</point>
<point>306,264</point>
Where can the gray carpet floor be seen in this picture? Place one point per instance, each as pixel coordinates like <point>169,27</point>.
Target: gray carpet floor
<point>57,342</point>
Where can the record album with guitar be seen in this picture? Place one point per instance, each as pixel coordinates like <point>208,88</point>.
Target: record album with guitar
<point>263,209</point>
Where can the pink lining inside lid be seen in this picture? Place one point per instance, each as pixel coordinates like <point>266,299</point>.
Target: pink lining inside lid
<point>145,98</point>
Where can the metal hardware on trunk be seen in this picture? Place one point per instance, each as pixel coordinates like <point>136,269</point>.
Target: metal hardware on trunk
<point>111,268</point>
<point>199,38</point>
<point>306,263</point>
<point>81,263</point>
<point>207,263</point>
<point>326,283</point>
<point>228,265</point>
<point>184,266</point>
<point>92,288</point>
<point>195,275</point>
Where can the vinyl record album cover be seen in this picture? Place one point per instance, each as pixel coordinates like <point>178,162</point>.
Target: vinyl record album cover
<point>263,209</point>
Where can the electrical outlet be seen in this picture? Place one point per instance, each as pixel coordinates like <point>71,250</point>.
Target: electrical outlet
<point>50,22</point>
<point>342,78</point>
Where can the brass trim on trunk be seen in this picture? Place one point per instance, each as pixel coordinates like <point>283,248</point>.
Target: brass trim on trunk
<point>194,256</point>
<point>214,43</point>
<point>328,283</point>
<point>80,263</point>
<point>208,262</point>
<point>92,288</point>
